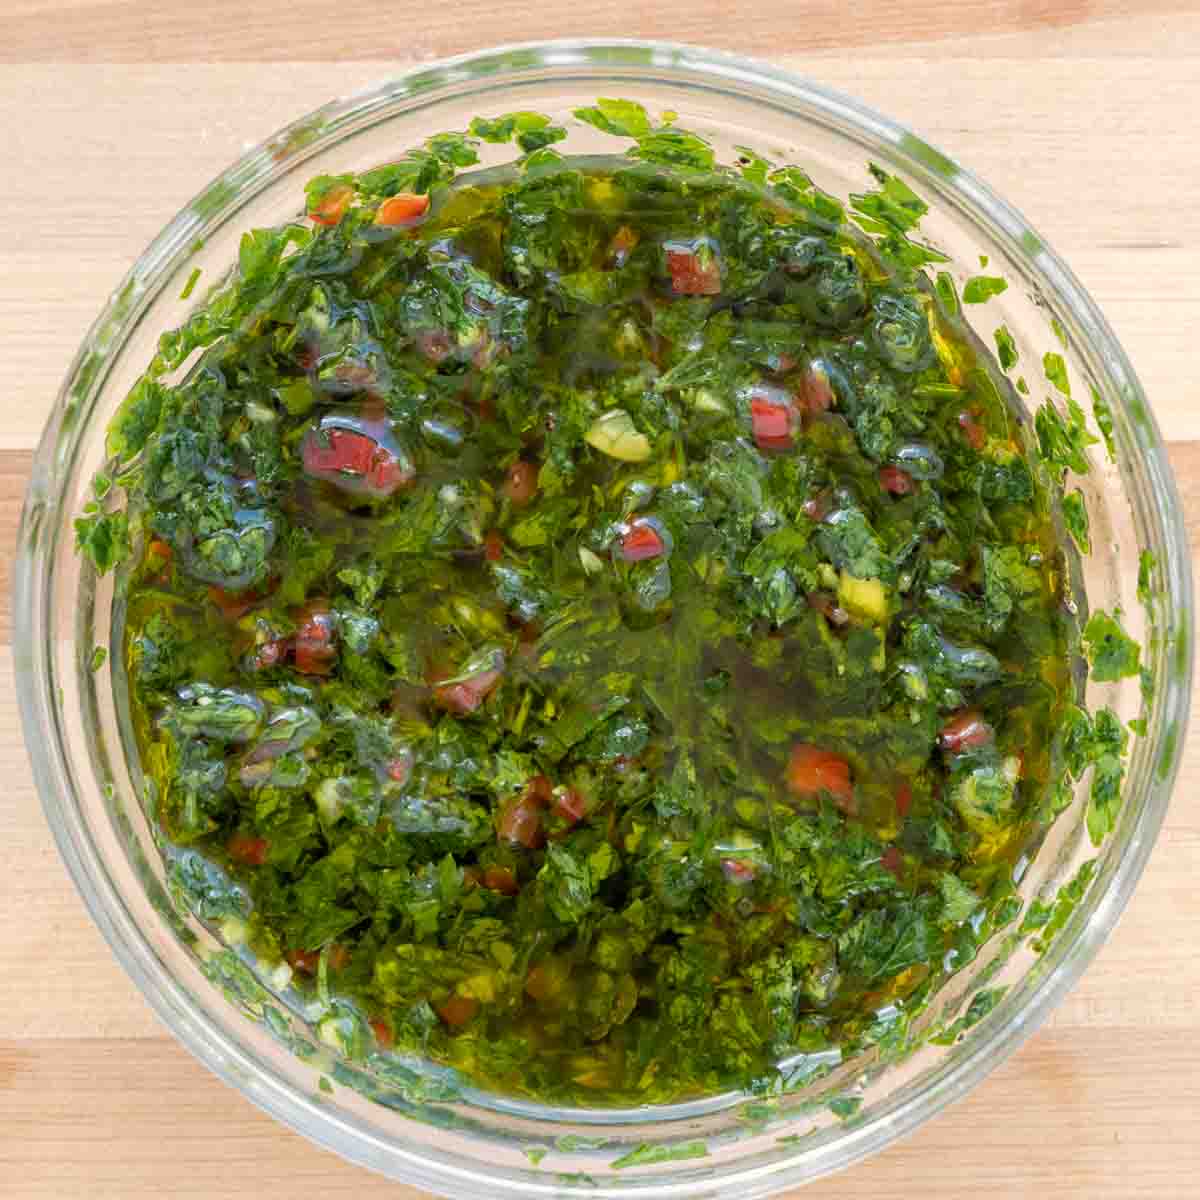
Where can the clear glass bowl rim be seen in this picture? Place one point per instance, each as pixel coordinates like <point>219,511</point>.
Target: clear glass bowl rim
<point>630,61</point>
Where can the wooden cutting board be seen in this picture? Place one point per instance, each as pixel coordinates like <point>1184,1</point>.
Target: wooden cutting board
<point>116,112</point>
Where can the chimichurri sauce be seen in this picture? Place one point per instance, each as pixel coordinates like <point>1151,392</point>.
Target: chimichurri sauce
<point>601,624</point>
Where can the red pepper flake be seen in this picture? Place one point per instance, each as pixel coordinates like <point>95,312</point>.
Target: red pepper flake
<point>493,546</point>
<point>539,790</point>
<point>383,1033</point>
<point>904,799</point>
<point>468,694</point>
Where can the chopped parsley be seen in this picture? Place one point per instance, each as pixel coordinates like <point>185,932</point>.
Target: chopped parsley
<point>1006,348</point>
<point>981,288</point>
<point>1075,517</point>
<point>1056,371</point>
<point>1111,651</point>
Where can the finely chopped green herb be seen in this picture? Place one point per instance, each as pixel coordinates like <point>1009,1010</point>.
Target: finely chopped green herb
<point>604,622</point>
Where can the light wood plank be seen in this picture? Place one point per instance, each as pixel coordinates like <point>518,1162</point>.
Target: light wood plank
<point>118,111</point>
<point>279,30</point>
<point>1074,1114</point>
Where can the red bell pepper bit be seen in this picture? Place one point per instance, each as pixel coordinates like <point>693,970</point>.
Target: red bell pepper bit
<point>403,209</point>
<point>570,804</point>
<point>520,824</point>
<point>248,850</point>
<point>304,961</point>
<point>468,694</point>
<point>772,417</point>
<point>332,206</point>
<point>641,540</point>
<point>520,821</point>
<point>693,268</point>
<point>896,481</point>
<point>816,392</point>
<point>457,1011</point>
<point>383,1033</point>
<point>353,461</point>
<point>812,771</point>
<point>309,961</point>
<point>975,433</point>
<point>965,730</point>
<point>502,880</point>
<point>314,645</point>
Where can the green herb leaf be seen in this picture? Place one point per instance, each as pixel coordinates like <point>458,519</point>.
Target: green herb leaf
<point>1006,348</point>
<point>1056,371</point>
<point>981,288</point>
<point>647,1155</point>
<point>103,538</point>
<point>1104,422</point>
<point>1112,652</point>
<point>625,118</point>
<point>1063,442</point>
<point>1075,517</point>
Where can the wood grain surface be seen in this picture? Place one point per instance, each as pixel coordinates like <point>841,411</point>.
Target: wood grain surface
<point>1082,112</point>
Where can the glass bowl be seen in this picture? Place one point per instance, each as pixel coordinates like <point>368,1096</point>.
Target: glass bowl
<point>413,1124</point>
